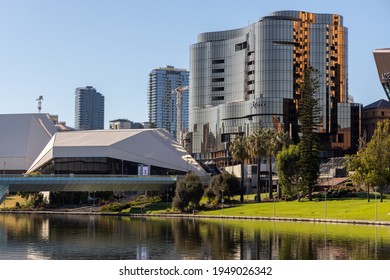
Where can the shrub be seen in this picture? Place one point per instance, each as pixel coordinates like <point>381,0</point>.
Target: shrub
<point>188,193</point>
<point>226,182</point>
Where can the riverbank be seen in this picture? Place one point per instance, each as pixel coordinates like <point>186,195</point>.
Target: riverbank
<point>201,216</point>
<point>341,211</point>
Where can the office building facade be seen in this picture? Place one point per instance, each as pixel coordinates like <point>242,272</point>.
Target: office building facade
<point>382,60</point>
<point>164,82</point>
<point>247,78</point>
<point>89,109</point>
<point>124,124</point>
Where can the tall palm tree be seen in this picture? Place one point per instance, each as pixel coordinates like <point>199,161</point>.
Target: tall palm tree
<point>239,152</point>
<point>256,149</point>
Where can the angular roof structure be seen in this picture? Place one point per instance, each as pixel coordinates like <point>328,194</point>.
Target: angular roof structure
<point>23,136</point>
<point>378,104</point>
<point>145,146</point>
<point>382,61</point>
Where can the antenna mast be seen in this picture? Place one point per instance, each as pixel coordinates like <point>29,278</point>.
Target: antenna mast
<point>39,99</point>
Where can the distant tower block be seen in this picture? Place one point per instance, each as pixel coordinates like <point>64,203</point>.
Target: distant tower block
<point>39,99</point>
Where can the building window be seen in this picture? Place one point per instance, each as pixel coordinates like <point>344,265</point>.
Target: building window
<point>340,138</point>
<point>219,70</point>
<point>225,137</point>
<point>241,46</point>
<point>216,98</point>
<point>217,89</point>
<point>217,80</point>
<point>218,61</point>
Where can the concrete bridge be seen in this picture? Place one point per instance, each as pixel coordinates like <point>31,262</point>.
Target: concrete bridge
<point>91,183</point>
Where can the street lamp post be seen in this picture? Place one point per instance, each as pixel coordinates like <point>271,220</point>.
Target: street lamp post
<point>274,207</point>
<point>326,191</point>
<point>222,200</point>
<point>376,206</point>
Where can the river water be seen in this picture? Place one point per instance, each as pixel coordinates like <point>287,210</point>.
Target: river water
<point>92,237</point>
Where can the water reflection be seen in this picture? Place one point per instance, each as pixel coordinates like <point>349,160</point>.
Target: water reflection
<point>107,237</point>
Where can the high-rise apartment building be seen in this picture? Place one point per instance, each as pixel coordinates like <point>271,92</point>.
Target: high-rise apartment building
<point>165,109</point>
<point>89,109</point>
<point>247,78</point>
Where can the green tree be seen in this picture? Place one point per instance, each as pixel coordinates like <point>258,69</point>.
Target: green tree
<point>376,157</point>
<point>189,192</point>
<point>358,171</point>
<point>239,152</point>
<point>286,163</point>
<point>274,142</point>
<point>226,183</point>
<point>34,199</point>
<point>309,145</point>
<point>215,188</point>
<point>257,149</point>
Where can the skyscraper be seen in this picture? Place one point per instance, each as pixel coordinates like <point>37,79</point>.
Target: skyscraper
<point>89,109</point>
<point>164,82</point>
<point>247,78</point>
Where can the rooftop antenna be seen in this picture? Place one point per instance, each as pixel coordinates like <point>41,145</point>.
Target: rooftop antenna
<point>39,99</point>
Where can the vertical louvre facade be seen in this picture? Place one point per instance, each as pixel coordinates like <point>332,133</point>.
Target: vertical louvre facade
<point>382,60</point>
<point>247,78</point>
<point>89,109</point>
<point>161,97</point>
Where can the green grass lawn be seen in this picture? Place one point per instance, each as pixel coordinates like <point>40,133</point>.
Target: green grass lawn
<point>340,209</point>
<point>348,209</point>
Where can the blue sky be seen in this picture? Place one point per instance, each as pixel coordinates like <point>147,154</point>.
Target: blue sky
<point>51,47</point>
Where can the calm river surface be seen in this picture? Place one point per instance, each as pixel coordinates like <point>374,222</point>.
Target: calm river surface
<point>64,237</point>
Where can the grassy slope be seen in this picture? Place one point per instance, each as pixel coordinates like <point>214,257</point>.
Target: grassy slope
<point>10,201</point>
<point>351,209</point>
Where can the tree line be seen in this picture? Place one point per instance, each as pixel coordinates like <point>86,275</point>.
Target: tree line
<point>370,166</point>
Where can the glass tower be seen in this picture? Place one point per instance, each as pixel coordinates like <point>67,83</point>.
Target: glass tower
<point>89,109</point>
<point>164,82</point>
<point>247,78</point>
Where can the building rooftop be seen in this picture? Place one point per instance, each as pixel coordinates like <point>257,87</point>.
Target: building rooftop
<point>378,104</point>
<point>154,147</point>
<point>23,136</point>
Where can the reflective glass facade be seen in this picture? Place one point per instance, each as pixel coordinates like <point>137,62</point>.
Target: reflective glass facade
<point>100,166</point>
<point>163,82</point>
<point>89,109</point>
<point>248,78</point>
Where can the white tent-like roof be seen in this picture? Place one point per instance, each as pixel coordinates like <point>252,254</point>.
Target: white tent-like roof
<point>22,138</point>
<point>146,146</point>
